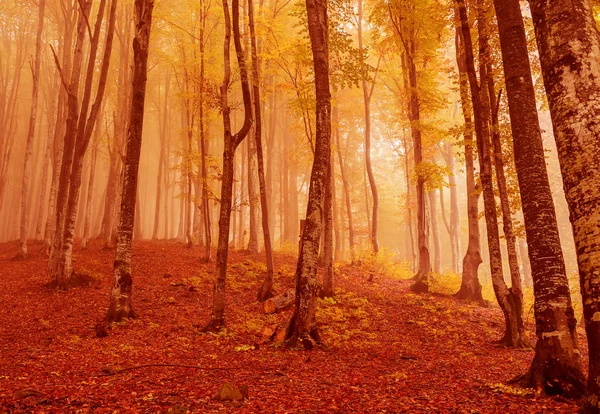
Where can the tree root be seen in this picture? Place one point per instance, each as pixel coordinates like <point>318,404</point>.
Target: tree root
<point>214,326</point>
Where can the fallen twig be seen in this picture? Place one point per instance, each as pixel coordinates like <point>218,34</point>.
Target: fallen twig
<point>108,373</point>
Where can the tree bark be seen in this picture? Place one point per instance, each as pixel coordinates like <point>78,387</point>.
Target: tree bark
<point>90,194</point>
<point>481,113</point>
<point>231,142</point>
<point>470,288</point>
<point>516,289</point>
<point>60,279</point>
<point>345,183</point>
<point>453,226</point>
<point>435,233</point>
<point>120,297</point>
<point>302,328</point>
<point>569,47</point>
<point>266,290</point>
<point>367,94</point>
<point>24,225</point>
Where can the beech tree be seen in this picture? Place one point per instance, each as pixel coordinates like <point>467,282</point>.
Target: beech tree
<point>555,368</point>
<point>481,112</point>
<point>569,48</point>
<point>30,133</point>
<point>303,326</point>
<point>120,297</point>
<point>231,142</point>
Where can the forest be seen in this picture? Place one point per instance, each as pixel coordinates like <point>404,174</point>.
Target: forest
<point>300,206</point>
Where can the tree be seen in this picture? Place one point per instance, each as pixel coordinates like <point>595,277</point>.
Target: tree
<point>265,291</point>
<point>481,112</point>
<point>406,31</point>
<point>569,47</point>
<point>367,94</point>
<point>303,328</point>
<point>31,133</point>
<point>555,368</point>
<point>231,142</point>
<point>120,296</point>
<point>470,287</point>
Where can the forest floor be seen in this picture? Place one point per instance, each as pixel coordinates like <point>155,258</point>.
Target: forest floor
<point>387,350</point>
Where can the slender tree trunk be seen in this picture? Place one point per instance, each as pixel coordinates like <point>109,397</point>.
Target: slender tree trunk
<point>85,130</point>
<point>345,183</point>
<point>303,328</point>
<point>336,215</point>
<point>481,113</point>
<point>231,142</point>
<point>435,232</point>
<point>409,216</point>
<point>367,106</point>
<point>266,289</point>
<point>253,193</point>
<point>59,279</point>
<point>161,157</point>
<point>470,288</point>
<point>120,296</point>
<point>90,194</point>
<point>516,289</point>
<point>568,44</point>
<point>205,207</point>
<point>24,225</point>
<point>327,290</point>
<point>453,226</point>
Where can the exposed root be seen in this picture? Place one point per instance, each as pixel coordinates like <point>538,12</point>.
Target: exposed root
<point>214,326</point>
<point>265,292</point>
<point>419,287</point>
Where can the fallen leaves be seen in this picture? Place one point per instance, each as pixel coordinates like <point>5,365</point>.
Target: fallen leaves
<point>388,350</point>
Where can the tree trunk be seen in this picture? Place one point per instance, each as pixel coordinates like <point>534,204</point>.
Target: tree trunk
<point>266,290</point>
<point>204,207</point>
<point>231,142</point>
<point>24,225</point>
<point>253,192</point>
<point>345,183</point>
<point>435,232</point>
<point>454,224</point>
<point>423,276</point>
<point>85,130</point>
<point>569,44</point>
<point>327,290</point>
<point>120,297</point>
<point>367,94</point>
<point>61,279</point>
<point>481,113</point>
<point>516,289</point>
<point>303,328</point>
<point>470,288</point>
<point>90,194</point>
<point>161,157</point>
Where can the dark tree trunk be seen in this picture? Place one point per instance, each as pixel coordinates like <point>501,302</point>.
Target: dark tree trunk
<point>481,113</point>
<point>231,142</point>
<point>120,297</point>
<point>569,48</point>
<point>266,290</point>
<point>516,289</point>
<point>303,328</point>
<point>470,288</point>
